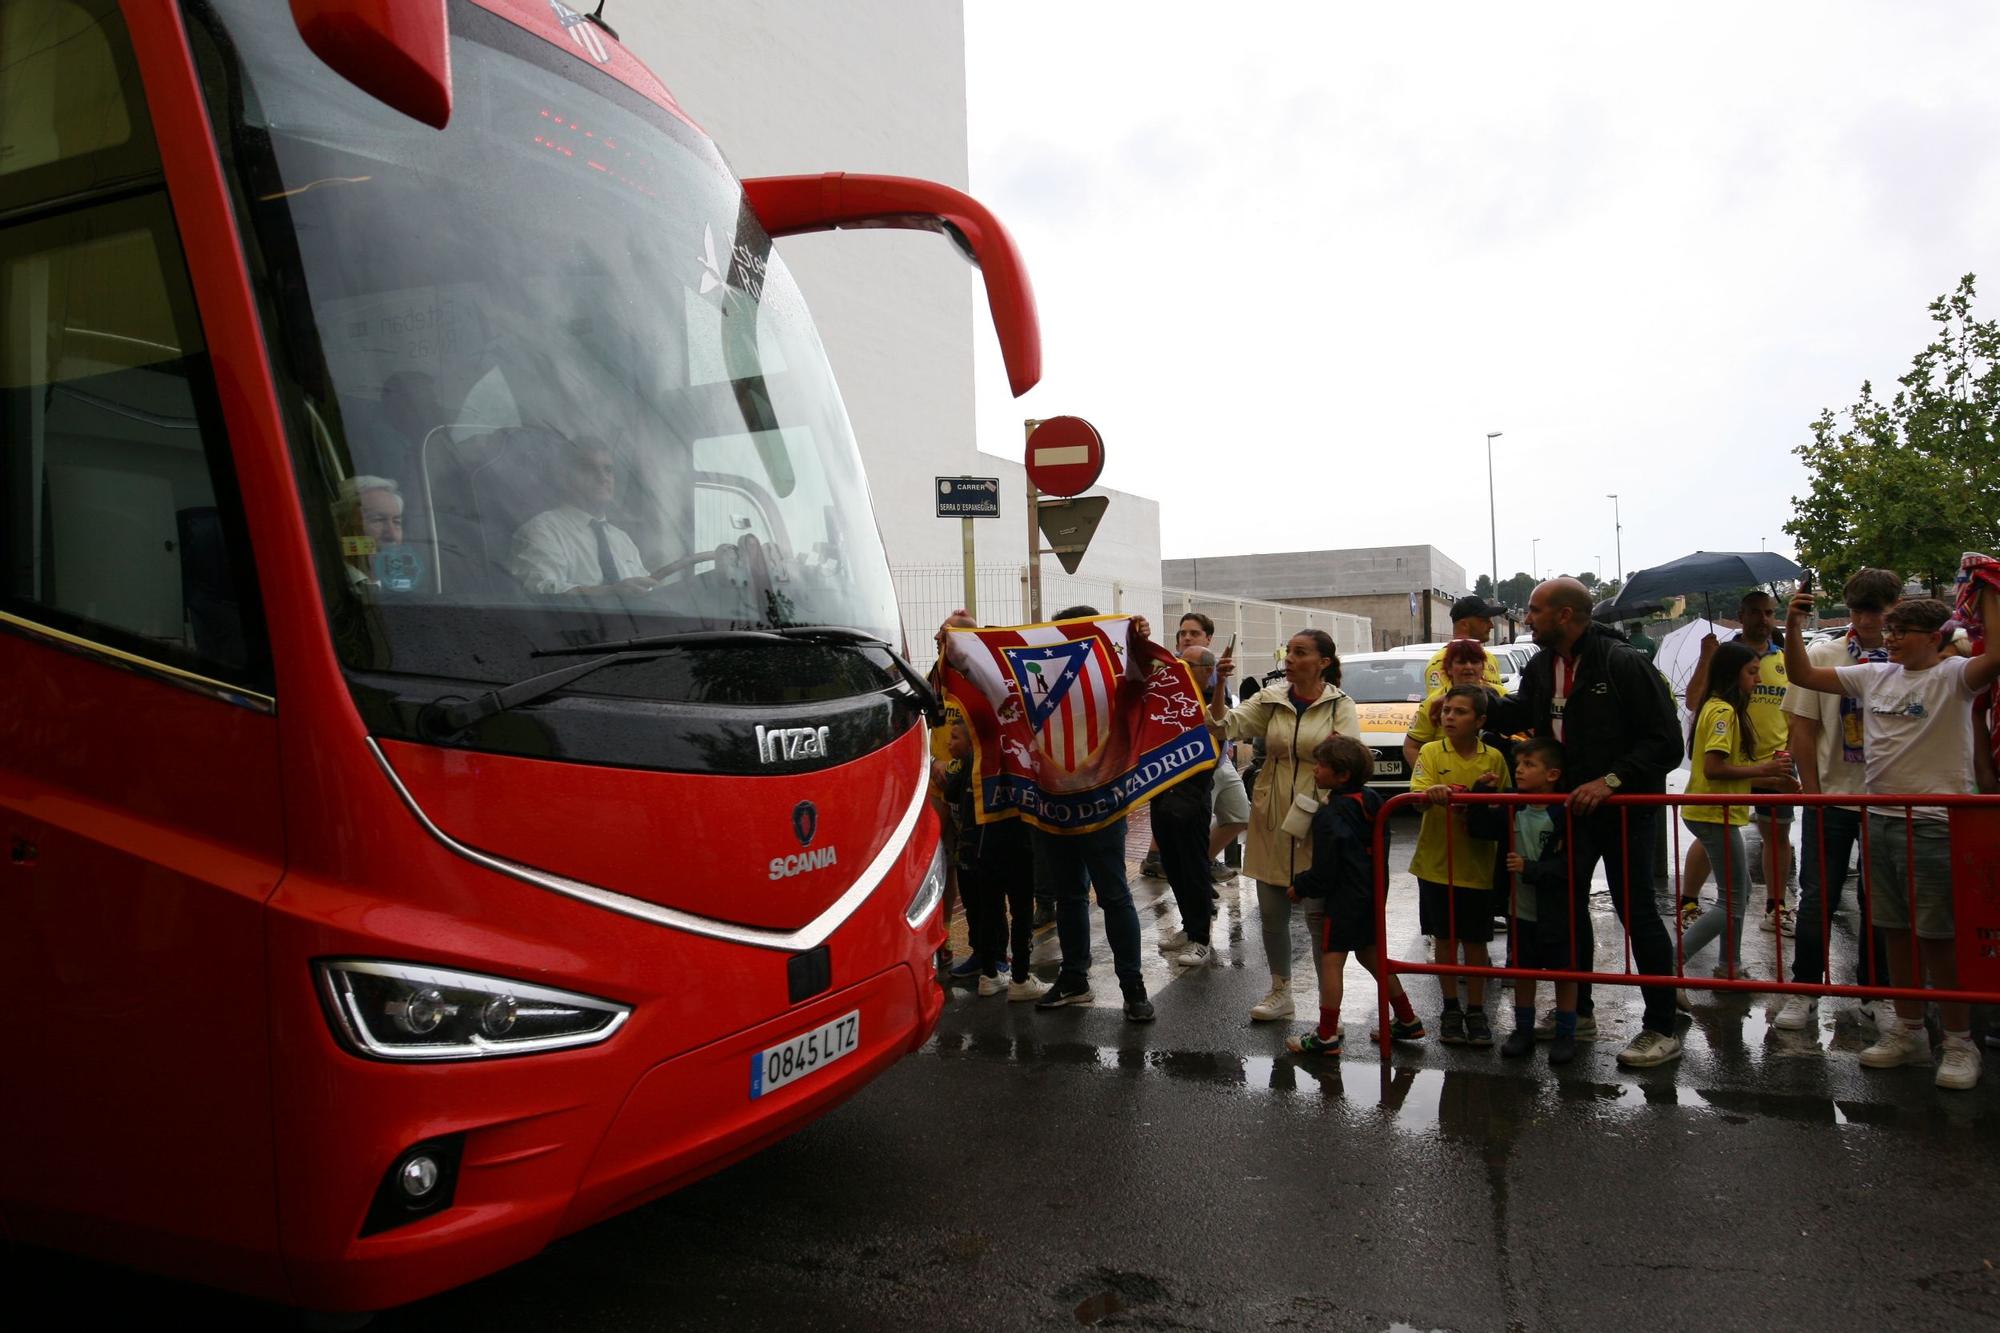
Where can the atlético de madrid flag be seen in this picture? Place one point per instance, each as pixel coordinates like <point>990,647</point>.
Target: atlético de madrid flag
<point>1075,723</point>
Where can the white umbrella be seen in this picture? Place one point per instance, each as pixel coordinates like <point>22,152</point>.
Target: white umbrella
<point>1679,652</point>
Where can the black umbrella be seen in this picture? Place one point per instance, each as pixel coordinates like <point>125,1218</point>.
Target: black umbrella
<point>1703,572</point>
<point>1610,612</point>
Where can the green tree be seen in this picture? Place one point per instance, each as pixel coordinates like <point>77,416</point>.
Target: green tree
<point>1483,587</point>
<point>1910,483</point>
<point>1514,591</point>
<point>1587,579</point>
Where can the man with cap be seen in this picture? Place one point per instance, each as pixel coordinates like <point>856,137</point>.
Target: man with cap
<point>1471,618</point>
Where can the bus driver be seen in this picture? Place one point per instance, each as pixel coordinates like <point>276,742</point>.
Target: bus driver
<point>574,547</point>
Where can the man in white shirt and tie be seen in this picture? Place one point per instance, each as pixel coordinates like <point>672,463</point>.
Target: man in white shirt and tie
<point>574,548</point>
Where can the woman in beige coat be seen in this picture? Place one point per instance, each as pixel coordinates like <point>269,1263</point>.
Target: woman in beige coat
<point>1291,717</point>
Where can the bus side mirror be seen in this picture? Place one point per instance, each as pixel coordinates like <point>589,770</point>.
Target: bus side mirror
<point>788,205</point>
<point>396,51</point>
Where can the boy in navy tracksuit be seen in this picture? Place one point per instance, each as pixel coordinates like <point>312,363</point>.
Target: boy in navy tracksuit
<point>1343,874</point>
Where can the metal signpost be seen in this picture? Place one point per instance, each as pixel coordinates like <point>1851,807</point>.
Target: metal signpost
<point>1064,457</point>
<point>967,498</point>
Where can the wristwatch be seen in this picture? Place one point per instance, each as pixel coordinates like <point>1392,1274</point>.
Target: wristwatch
<point>1612,781</point>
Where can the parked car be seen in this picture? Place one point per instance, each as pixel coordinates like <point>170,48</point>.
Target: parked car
<point>1512,658</point>
<point>1387,689</point>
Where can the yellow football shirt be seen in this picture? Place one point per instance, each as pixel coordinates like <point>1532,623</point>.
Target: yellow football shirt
<point>1470,859</point>
<point>1717,731</point>
<point>1769,731</point>
<point>1422,729</point>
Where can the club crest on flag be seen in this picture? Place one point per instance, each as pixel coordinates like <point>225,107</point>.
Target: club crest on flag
<point>1069,729</point>
<point>1066,690</point>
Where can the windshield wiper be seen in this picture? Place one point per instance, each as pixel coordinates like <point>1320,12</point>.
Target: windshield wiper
<point>694,638</point>
<point>441,720</point>
<point>861,638</point>
<point>841,635</point>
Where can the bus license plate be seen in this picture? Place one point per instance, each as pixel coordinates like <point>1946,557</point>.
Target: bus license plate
<point>791,1061</point>
<point>1389,768</point>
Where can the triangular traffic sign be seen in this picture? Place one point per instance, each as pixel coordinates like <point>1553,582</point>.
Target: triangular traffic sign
<point>1069,525</point>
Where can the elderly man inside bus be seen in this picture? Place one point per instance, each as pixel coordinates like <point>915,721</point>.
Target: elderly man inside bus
<point>369,516</point>
<point>574,547</point>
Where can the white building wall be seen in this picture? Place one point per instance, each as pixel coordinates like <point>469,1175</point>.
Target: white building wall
<point>806,86</point>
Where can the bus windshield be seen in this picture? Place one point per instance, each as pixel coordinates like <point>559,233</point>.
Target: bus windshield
<point>554,385</point>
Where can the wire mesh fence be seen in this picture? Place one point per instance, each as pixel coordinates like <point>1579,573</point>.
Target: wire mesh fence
<point>929,593</point>
<point>1262,628</point>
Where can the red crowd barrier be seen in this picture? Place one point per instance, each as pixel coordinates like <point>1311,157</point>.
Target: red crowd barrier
<point>1973,821</point>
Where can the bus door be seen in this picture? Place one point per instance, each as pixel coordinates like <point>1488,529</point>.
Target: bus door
<point>140,820</point>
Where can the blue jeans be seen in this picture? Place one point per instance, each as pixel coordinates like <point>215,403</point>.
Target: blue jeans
<point>1730,861</point>
<point>1069,866</point>
<point>1841,830</point>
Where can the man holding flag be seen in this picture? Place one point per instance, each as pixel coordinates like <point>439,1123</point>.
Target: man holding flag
<point>1075,723</point>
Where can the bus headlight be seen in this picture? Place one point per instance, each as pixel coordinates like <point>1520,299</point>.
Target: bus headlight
<point>400,1011</point>
<point>930,892</point>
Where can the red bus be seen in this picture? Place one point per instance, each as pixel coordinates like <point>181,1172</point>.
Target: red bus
<point>458,771</point>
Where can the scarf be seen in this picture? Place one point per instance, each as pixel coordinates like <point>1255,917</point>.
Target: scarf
<point>1977,573</point>
<point>1850,707</point>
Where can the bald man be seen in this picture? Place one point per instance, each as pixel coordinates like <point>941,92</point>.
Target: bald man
<point>1602,701</point>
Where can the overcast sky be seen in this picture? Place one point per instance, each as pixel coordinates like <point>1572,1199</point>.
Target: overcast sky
<point>1295,261</point>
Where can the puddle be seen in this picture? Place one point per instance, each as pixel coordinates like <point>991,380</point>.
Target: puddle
<point>1104,1292</point>
<point>1797,1108</point>
<point>1487,1110</point>
<point>1093,1310</point>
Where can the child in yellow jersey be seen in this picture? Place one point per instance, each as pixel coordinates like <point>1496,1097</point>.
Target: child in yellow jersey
<point>1720,749</point>
<point>1454,870</point>
<point>1464,663</point>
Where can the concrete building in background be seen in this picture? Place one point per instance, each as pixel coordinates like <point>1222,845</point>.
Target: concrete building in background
<point>788,88</point>
<point>1405,591</point>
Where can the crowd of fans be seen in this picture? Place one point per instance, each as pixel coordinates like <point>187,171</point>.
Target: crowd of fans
<point>1894,707</point>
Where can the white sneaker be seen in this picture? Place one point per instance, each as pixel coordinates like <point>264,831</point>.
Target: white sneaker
<point>1777,920</point>
<point>1650,1048</point>
<point>1881,1013</point>
<point>993,985</point>
<point>1960,1068</point>
<point>1034,988</point>
<point>1275,1005</point>
<point>1173,943</point>
<point>1193,955</point>
<point>1899,1046</point>
<point>1796,1014</point>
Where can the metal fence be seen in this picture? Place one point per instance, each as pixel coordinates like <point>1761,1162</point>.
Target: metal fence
<point>1262,628</point>
<point>929,593</point>
<point>1562,944</point>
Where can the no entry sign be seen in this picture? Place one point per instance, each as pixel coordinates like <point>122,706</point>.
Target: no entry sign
<point>1065,454</point>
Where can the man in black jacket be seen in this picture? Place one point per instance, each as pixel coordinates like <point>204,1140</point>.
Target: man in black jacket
<point>1609,709</point>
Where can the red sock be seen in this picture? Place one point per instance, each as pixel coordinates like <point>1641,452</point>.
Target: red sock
<point>1329,1024</point>
<point>1400,1002</point>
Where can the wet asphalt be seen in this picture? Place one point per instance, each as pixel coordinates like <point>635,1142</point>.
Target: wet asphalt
<point>1067,1169</point>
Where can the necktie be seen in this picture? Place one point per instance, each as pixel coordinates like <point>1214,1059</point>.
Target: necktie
<point>606,565</point>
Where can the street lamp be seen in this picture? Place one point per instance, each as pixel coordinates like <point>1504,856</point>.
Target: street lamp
<point>1618,535</point>
<point>1535,557</point>
<point>1492,524</point>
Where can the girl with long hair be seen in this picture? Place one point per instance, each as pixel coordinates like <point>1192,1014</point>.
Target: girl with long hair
<point>1720,763</point>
